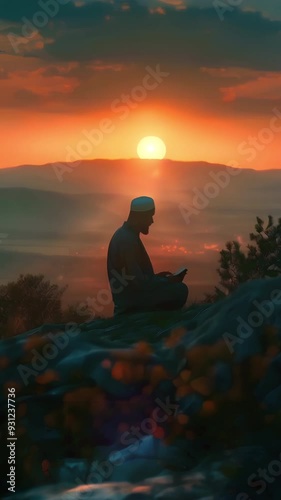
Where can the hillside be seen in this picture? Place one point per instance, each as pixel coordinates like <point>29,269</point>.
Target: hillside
<point>81,398</point>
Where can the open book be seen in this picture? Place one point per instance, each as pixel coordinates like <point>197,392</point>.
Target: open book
<point>180,271</point>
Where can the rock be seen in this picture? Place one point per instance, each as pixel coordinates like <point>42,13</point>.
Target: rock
<point>75,403</point>
<point>222,377</point>
<point>136,470</point>
<point>139,496</point>
<point>191,404</point>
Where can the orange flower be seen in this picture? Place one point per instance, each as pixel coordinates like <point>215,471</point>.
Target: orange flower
<point>47,377</point>
<point>201,385</point>
<point>208,407</point>
<point>159,433</point>
<point>182,419</point>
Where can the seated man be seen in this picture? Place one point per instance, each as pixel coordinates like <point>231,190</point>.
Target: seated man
<point>134,285</point>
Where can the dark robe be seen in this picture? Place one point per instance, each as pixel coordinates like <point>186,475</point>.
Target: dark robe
<point>133,283</point>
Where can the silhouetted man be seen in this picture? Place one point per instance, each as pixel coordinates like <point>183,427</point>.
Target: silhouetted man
<point>134,285</point>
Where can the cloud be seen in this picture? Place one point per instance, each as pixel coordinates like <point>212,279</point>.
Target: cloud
<point>173,2</point>
<point>101,66</point>
<point>270,8</point>
<point>27,47</point>
<point>212,246</point>
<point>42,85</point>
<point>61,70</point>
<point>87,42</point>
<point>263,87</point>
<point>253,85</point>
<point>245,90</point>
<point>93,31</point>
<point>244,39</point>
<point>27,87</point>
<point>177,4</point>
<point>157,10</point>
<point>231,72</point>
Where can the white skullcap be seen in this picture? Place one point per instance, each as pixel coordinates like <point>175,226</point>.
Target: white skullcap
<point>142,204</point>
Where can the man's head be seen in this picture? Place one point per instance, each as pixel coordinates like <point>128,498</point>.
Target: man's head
<point>141,213</point>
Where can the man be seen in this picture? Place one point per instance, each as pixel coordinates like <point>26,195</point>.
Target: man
<point>134,285</point>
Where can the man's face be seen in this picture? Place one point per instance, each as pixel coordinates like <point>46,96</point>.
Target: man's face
<point>147,220</point>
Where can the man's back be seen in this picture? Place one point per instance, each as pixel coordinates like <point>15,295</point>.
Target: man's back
<point>128,265</point>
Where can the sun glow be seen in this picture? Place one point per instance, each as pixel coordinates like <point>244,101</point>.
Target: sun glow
<point>152,148</point>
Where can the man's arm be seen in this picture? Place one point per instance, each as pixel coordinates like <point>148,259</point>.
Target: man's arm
<point>132,267</point>
<point>140,281</point>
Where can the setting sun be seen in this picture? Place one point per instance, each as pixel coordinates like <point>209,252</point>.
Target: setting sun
<point>151,148</point>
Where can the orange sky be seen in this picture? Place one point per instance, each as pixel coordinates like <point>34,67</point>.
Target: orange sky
<point>35,138</point>
<point>217,94</point>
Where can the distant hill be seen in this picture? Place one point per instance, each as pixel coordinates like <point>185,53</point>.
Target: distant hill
<point>32,210</point>
<point>98,175</point>
<point>166,178</point>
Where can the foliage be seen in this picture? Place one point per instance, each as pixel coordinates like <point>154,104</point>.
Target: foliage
<point>27,303</point>
<point>263,259</point>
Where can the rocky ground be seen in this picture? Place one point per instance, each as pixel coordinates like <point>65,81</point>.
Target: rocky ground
<point>156,405</point>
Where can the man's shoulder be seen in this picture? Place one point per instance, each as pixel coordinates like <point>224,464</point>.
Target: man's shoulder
<point>119,233</point>
<point>123,234</point>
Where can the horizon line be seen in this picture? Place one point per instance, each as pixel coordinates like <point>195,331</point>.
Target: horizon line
<point>50,163</point>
